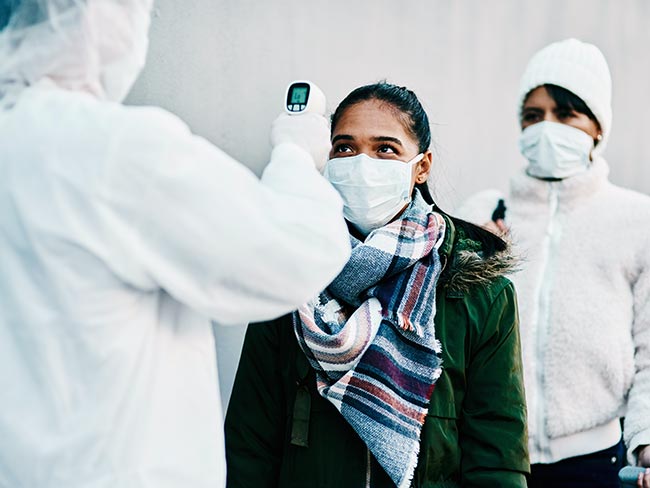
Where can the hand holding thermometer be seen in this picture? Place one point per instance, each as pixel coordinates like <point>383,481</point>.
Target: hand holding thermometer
<point>310,132</point>
<point>304,96</point>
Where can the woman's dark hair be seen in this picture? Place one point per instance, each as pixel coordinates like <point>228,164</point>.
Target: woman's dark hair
<point>416,121</point>
<point>567,100</point>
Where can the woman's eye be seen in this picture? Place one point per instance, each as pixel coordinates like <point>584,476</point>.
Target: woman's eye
<point>530,117</point>
<point>342,149</point>
<point>565,114</point>
<point>386,149</point>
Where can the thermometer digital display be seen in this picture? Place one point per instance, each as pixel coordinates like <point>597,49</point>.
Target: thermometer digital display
<point>304,96</point>
<point>299,95</point>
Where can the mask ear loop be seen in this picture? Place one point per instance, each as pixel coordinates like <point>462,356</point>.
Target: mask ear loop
<point>415,161</point>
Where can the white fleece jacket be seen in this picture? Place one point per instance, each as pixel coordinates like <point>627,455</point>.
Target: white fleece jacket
<point>584,296</point>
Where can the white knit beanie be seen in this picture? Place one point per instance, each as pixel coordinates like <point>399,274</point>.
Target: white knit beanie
<point>578,67</point>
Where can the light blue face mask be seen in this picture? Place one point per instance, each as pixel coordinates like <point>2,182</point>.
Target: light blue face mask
<point>373,190</point>
<point>555,150</point>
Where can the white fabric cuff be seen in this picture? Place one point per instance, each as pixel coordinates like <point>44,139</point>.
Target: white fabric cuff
<point>642,439</point>
<point>286,156</point>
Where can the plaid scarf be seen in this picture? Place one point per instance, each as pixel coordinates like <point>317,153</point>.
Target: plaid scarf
<point>370,337</point>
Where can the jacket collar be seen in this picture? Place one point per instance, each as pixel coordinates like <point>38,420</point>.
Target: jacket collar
<point>464,266</point>
<point>525,187</point>
<point>447,248</point>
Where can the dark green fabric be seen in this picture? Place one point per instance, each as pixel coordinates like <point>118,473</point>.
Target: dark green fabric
<point>474,434</point>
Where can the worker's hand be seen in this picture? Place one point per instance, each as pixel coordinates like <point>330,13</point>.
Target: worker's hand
<point>499,227</point>
<point>644,460</point>
<point>308,130</point>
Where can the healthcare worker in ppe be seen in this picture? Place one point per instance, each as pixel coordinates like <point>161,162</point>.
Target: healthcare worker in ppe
<point>584,289</point>
<point>121,236</point>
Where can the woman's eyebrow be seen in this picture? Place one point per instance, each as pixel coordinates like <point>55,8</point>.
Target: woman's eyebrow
<point>387,139</point>
<point>344,137</point>
<point>532,109</point>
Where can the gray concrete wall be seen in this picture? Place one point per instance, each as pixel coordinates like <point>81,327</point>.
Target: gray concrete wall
<point>223,65</point>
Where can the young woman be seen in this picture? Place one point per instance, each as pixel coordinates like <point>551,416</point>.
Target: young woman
<point>406,370</point>
<point>585,288</point>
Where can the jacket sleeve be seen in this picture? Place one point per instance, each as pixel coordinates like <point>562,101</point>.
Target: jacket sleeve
<point>200,225</point>
<point>637,420</point>
<point>255,420</point>
<point>492,435</point>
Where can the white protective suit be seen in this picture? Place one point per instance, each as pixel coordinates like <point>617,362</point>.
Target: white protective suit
<point>121,236</point>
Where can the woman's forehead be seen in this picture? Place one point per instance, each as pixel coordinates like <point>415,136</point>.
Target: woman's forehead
<point>539,97</point>
<point>373,117</point>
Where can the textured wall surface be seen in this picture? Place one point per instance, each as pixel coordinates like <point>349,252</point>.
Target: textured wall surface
<point>223,66</point>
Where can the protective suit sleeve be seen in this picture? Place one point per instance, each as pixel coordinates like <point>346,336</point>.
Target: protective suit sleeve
<point>637,419</point>
<point>492,431</point>
<point>209,232</point>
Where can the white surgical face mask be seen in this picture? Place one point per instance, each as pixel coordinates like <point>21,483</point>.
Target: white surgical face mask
<point>555,150</point>
<point>373,190</point>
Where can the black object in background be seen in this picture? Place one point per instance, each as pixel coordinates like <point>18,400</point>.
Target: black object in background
<point>499,212</point>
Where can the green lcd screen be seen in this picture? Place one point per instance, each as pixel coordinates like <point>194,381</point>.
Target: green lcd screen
<point>299,95</point>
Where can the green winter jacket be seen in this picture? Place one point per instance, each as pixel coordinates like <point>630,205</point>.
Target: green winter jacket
<point>281,433</point>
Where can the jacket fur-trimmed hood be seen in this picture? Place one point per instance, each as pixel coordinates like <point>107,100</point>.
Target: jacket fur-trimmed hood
<point>468,267</point>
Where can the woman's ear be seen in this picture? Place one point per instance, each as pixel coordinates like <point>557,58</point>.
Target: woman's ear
<point>597,139</point>
<point>423,168</point>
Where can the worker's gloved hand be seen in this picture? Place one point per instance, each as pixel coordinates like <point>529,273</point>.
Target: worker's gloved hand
<point>309,131</point>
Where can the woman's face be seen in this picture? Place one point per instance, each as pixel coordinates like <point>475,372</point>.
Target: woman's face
<point>539,106</point>
<point>376,129</point>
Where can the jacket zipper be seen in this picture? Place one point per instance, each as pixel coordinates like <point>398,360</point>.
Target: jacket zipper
<point>551,240</point>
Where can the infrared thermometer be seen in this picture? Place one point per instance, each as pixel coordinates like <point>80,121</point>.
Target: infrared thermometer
<point>629,474</point>
<point>304,96</point>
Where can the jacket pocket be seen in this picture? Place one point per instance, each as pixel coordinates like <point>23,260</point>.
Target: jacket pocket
<point>334,456</point>
<point>439,460</point>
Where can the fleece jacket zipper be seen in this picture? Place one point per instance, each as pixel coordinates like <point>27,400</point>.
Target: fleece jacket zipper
<point>544,292</point>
